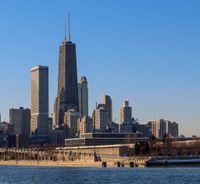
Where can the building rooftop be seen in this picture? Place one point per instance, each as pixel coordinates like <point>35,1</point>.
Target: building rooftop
<point>38,67</point>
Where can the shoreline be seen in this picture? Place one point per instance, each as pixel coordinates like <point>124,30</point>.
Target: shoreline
<point>51,164</point>
<point>80,164</point>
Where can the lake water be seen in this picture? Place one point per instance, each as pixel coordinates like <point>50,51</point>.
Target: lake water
<point>43,175</point>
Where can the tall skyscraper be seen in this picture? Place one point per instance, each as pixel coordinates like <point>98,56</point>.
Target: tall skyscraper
<point>126,113</point>
<point>20,119</point>
<point>107,102</point>
<point>83,96</point>
<point>67,97</point>
<point>39,100</point>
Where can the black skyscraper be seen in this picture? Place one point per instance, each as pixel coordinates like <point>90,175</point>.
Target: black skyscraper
<point>67,80</point>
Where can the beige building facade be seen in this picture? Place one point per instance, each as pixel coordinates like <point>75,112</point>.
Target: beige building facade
<point>85,125</point>
<point>70,119</point>
<point>39,100</point>
<point>126,113</point>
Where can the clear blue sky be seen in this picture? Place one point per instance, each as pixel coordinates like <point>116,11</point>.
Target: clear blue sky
<point>145,51</point>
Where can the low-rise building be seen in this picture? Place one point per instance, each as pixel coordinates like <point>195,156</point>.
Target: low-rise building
<point>95,139</point>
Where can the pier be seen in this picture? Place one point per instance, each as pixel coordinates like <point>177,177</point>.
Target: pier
<point>86,156</point>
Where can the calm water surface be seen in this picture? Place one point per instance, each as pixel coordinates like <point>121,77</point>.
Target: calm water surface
<point>28,175</point>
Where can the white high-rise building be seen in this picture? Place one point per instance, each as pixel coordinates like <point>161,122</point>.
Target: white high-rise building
<point>39,100</point>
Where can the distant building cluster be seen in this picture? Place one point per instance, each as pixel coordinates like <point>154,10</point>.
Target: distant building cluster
<point>161,128</point>
<point>70,123</point>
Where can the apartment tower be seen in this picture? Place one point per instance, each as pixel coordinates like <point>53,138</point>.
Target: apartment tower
<point>39,100</point>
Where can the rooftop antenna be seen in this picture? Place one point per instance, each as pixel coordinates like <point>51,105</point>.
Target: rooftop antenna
<point>69,35</point>
<point>65,39</point>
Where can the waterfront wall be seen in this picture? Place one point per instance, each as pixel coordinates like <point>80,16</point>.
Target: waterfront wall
<point>91,156</point>
<point>51,163</point>
<point>110,163</point>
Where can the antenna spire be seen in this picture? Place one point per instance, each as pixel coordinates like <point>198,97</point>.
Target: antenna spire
<point>65,38</point>
<point>69,34</point>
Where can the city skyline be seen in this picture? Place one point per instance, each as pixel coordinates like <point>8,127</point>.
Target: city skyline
<point>165,86</point>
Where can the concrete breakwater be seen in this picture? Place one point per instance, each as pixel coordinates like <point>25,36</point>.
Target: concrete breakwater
<point>50,163</point>
<point>91,156</point>
<point>97,164</point>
